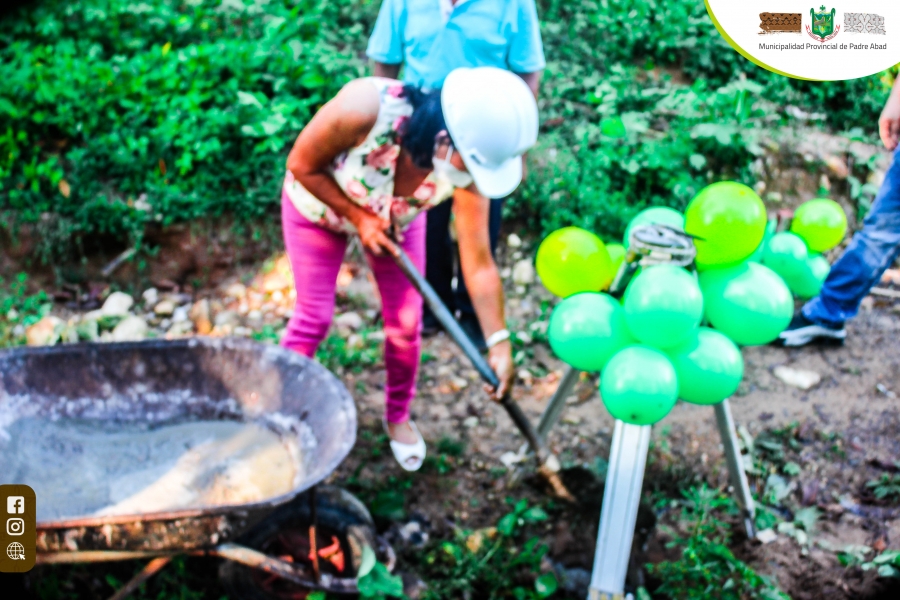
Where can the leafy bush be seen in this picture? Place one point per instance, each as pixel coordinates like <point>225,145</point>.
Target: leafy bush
<point>118,114</point>
<point>707,568</point>
<point>642,146</point>
<point>620,134</point>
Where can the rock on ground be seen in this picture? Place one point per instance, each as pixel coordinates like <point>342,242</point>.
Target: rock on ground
<point>117,305</point>
<point>523,272</point>
<point>130,329</point>
<point>798,378</point>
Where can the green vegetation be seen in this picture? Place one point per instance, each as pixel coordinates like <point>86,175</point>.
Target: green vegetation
<point>886,487</point>
<point>501,562</point>
<point>120,116</point>
<point>117,115</point>
<point>18,310</point>
<point>707,568</point>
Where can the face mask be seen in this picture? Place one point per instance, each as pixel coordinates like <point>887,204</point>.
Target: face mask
<point>444,168</point>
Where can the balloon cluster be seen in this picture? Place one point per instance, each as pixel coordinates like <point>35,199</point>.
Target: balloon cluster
<point>654,347</point>
<point>818,226</point>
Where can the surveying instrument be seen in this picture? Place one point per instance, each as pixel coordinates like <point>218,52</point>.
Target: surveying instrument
<point>647,245</point>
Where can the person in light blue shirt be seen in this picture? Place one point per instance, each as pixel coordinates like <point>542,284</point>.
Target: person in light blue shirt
<point>428,39</point>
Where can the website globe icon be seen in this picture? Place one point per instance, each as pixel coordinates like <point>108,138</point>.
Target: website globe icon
<point>16,551</point>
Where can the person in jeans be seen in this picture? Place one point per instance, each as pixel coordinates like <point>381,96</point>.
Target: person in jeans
<point>430,38</point>
<point>871,251</point>
<point>372,161</point>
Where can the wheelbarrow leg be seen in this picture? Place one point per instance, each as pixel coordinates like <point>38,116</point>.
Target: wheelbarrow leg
<point>152,568</point>
<point>618,515</point>
<point>735,463</point>
<point>558,402</point>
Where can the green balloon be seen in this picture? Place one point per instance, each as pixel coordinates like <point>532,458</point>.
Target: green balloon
<point>757,255</point>
<point>587,329</point>
<point>616,255</point>
<point>729,220</point>
<point>572,260</point>
<point>656,215</point>
<point>639,385</point>
<point>709,367</point>
<point>663,305</point>
<point>748,302</point>
<point>786,254</point>
<point>821,223</point>
<point>809,283</point>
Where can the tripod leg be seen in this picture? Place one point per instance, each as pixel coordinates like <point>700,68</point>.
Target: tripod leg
<point>557,402</point>
<point>736,465</point>
<point>618,516</point>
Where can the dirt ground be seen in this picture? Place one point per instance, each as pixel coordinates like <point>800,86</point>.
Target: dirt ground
<point>845,427</point>
<point>842,432</point>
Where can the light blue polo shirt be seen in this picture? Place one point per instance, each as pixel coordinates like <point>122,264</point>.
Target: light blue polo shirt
<point>478,33</point>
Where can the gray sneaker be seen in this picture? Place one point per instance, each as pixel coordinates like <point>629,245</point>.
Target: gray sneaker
<point>801,331</point>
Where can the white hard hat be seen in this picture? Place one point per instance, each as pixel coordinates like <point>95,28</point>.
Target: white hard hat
<point>492,116</point>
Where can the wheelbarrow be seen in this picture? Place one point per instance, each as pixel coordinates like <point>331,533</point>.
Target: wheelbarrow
<point>304,538</point>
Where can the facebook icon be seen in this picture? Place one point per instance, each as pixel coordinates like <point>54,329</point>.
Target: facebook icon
<point>15,505</point>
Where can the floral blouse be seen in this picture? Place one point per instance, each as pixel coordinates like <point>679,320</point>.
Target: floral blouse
<point>366,172</point>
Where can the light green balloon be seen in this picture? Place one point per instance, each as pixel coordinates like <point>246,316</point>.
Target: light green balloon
<point>757,255</point>
<point>663,305</point>
<point>748,302</point>
<point>709,367</point>
<point>809,283</point>
<point>617,256</point>
<point>821,223</point>
<point>786,254</point>
<point>587,329</point>
<point>728,220</point>
<point>572,260</point>
<point>639,385</point>
<point>655,215</point>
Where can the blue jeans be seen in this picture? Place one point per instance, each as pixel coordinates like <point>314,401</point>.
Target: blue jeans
<point>871,251</point>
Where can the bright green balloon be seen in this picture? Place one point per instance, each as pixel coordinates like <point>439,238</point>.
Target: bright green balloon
<point>587,329</point>
<point>656,215</point>
<point>757,255</point>
<point>572,260</point>
<point>821,223</point>
<point>809,282</point>
<point>729,219</point>
<point>748,302</point>
<point>663,305</point>
<point>709,367</point>
<point>786,254</point>
<point>616,255</point>
<point>639,385</point>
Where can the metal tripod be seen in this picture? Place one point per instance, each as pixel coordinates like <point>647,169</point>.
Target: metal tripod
<point>648,245</point>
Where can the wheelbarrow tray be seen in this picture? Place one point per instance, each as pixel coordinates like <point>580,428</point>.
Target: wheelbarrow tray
<point>168,382</point>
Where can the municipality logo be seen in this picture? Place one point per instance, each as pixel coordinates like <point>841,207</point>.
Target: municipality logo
<point>823,27</point>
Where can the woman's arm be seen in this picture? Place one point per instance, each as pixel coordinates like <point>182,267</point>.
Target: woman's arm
<point>482,278</point>
<point>889,121</point>
<point>343,123</point>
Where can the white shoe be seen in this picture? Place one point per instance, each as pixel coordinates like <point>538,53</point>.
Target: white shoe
<point>410,456</point>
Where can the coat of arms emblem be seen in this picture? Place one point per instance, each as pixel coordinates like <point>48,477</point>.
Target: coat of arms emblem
<point>823,27</point>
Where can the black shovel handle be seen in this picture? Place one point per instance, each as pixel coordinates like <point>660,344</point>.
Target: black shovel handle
<point>462,340</point>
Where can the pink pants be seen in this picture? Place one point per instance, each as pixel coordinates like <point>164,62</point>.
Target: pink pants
<point>316,255</point>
